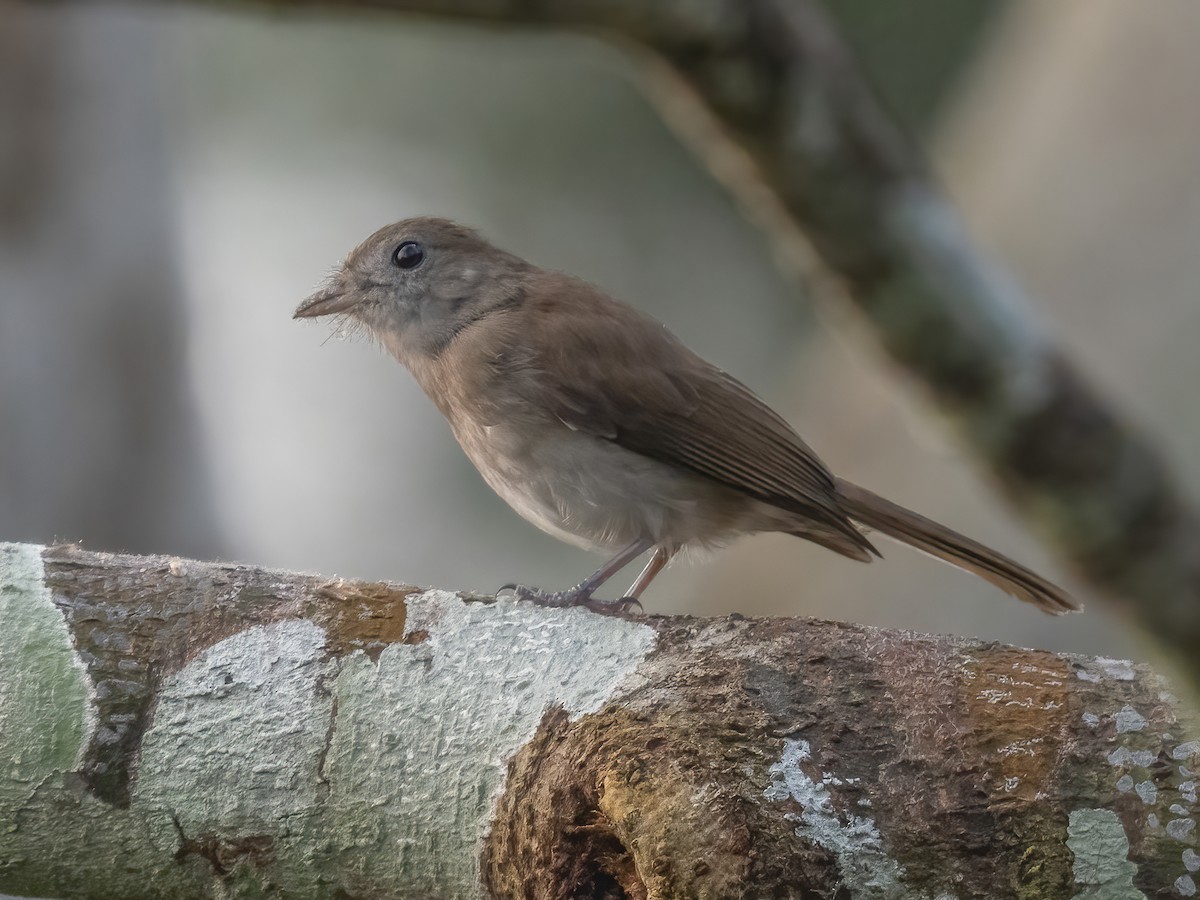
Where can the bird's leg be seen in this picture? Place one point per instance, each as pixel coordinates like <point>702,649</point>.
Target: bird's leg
<point>582,592</point>
<point>657,563</point>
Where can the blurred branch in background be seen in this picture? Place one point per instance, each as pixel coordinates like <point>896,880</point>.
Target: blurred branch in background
<point>99,433</point>
<point>783,86</point>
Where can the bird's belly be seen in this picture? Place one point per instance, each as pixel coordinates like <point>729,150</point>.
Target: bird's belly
<point>594,494</point>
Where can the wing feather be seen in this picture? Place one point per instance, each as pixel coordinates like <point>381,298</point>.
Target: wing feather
<point>608,370</point>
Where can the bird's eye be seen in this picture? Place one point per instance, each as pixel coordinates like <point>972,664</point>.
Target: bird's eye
<point>409,255</point>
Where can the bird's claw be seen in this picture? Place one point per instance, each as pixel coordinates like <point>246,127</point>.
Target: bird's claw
<point>575,596</point>
<point>553,599</point>
<point>620,605</point>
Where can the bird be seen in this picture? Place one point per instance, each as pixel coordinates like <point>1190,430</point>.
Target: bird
<point>599,426</point>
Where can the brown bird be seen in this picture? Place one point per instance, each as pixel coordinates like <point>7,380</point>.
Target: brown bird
<point>599,426</point>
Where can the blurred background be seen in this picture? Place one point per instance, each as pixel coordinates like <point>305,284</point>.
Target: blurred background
<point>173,181</point>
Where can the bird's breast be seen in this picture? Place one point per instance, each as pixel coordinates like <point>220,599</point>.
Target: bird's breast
<point>593,493</point>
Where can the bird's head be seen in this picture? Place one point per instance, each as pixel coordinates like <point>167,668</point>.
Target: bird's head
<point>417,283</point>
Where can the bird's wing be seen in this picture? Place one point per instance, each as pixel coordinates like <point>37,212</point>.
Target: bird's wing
<point>608,370</point>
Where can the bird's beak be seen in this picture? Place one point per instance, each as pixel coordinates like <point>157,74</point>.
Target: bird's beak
<point>336,297</point>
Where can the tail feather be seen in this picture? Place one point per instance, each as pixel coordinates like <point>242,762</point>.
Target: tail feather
<point>937,540</point>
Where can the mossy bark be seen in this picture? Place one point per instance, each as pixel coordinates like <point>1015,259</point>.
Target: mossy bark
<point>241,732</point>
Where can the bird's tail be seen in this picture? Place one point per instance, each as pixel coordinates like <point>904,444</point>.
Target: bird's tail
<point>937,540</point>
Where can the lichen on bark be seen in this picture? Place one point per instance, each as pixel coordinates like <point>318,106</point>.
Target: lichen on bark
<point>339,738</point>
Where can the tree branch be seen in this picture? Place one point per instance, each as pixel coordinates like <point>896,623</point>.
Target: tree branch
<point>176,728</point>
<point>768,94</point>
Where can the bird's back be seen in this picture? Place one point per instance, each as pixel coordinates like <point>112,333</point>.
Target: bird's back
<point>570,370</point>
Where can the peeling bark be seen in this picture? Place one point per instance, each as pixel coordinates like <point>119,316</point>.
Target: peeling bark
<point>185,729</point>
<point>128,656</point>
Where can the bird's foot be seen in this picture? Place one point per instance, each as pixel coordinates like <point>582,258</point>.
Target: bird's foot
<point>580,595</point>
<point>624,604</point>
<point>576,596</point>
